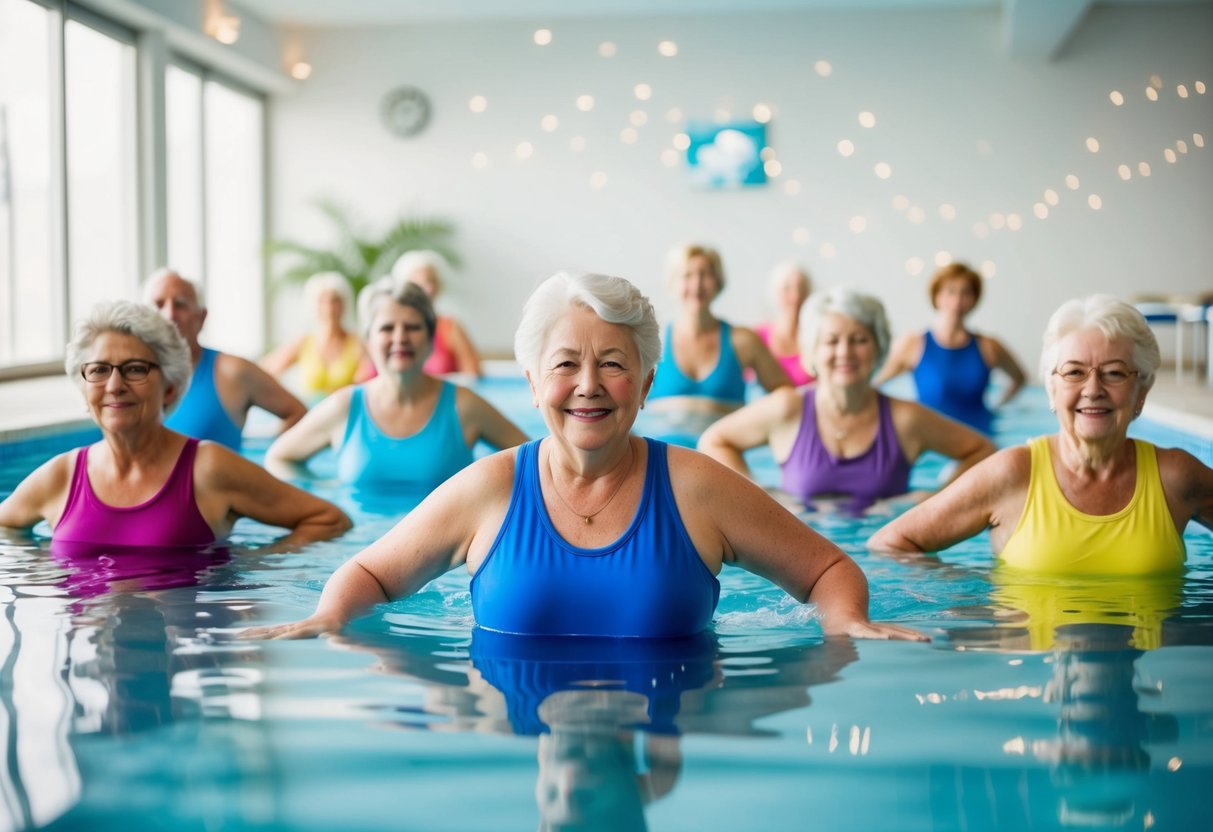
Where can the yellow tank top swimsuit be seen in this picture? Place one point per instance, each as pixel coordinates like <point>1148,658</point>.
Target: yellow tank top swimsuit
<point>323,377</point>
<point>1054,537</point>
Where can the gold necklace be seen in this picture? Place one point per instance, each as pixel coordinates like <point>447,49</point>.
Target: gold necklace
<point>588,517</point>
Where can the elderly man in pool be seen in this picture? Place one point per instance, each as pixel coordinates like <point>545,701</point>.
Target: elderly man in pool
<point>593,531</point>
<point>1086,500</point>
<point>224,387</point>
<point>144,485</point>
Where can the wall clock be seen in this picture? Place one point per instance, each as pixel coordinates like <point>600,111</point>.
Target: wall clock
<point>405,111</point>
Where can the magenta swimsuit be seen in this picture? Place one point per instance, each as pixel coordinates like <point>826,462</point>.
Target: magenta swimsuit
<point>169,518</point>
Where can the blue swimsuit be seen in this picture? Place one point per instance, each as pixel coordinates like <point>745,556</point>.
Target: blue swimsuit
<point>200,414</point>
<point>725,383</point>
<point>423,461</point>
<point>954,381</point>
<point>650,583</point>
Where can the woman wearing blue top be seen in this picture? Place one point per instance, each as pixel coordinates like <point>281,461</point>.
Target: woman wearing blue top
<point>951,364</point>
<point>403,430</point>
<point>593,531</point>
<point>704,359</point>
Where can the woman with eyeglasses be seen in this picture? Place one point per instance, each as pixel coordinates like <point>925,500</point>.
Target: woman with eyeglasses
<point>1086,500</point>
<point>144,485</point>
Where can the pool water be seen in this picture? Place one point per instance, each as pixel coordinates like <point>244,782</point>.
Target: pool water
<point>126,703</point>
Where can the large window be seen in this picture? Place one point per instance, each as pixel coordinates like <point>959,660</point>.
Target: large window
<point>215,205</point>
<point>73,205</point>
<point>183,135</point>
<point>102,221</point>
<point>30,330</point>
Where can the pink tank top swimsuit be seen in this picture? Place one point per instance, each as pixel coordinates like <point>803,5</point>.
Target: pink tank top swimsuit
<point>441,360</point>
<point>169,518</point>
<point>790,363</point>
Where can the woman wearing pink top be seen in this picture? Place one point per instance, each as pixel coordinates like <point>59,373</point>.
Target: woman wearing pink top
<point>144,485</point>
<point>790,288</point>
<point>453,351</point>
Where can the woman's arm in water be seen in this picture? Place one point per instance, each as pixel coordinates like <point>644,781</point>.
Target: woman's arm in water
<point>431,540</point>
<point>732,520</point>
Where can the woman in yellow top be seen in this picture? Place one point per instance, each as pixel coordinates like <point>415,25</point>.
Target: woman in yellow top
<point>1086,500</point>
<point>330,356</point>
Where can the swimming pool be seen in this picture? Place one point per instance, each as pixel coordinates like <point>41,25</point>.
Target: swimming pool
<point>125,702</point>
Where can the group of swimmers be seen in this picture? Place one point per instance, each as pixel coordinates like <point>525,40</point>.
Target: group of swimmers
<point>593,530</point>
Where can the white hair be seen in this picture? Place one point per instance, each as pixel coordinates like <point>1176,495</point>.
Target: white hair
<point>411,261</point>
<point>613,299</point>
<point>139,321</point>
<point>780,273</point>
<point>334,282</point>
<point>864,308</point>
<point>1114,319</point>
<point>401,291</point>
<point>199,291</point>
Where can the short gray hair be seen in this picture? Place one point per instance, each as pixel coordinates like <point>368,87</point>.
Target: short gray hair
<point>864,308</point>
<point>334,282</point>
<point>613,299</point>
<point>199,291</point>
<point>409,262</point>
<point>398,290</point>
<point>1114,319</point>
<point>139,321</point>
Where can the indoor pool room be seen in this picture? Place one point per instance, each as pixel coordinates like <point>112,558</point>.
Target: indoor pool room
<point>371,374</point>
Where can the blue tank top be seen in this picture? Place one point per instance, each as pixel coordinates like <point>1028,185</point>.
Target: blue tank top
<point>650,583</point>
<point>954,381</point>
<point>200,414</point>
<point>881,471</point>
<point>421,462</point>
<point>725,383</point>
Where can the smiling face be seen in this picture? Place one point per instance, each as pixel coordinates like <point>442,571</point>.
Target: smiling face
<point>588,383</point>
<point>697,285</point>
<point>845,353</point>
<point>398,341</point>
<point>1094,410</point>
<point>117,404</point>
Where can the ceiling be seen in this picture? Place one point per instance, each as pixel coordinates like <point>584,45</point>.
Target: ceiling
<point>360,13</point>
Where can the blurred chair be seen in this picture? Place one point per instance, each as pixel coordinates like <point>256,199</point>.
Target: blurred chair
<point>1157,311</point>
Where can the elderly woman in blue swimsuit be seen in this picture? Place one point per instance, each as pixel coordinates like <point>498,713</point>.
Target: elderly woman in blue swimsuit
<point>593,531</point>
<point>403,429</point>
<point>704,359</point>
<point>952,364</point>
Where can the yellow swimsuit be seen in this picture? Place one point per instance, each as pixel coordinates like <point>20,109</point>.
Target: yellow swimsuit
<point>318,376</point>
<point>1053,537</point>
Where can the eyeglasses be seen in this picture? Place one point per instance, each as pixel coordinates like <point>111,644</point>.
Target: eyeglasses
<point>136,370</point>
<point>1109,375</point>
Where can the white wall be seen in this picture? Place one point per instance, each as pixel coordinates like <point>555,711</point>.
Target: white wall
<point>959,122</point>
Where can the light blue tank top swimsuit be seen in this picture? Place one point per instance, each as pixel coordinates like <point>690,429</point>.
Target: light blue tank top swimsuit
<point>650,583</point>
<point>725,383</point>
<point>200,414</point>
<point>421,462</point>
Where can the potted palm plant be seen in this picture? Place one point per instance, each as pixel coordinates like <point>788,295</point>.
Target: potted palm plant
<point>361,257</point>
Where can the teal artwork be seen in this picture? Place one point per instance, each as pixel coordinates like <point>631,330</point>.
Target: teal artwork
<point>726,155</point>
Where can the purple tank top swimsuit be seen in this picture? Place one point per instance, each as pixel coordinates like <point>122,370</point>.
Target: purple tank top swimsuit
<point>169,518</point>
<point>880,471</point>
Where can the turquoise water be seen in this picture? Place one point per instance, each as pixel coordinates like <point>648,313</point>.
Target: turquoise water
<point>125,702</point>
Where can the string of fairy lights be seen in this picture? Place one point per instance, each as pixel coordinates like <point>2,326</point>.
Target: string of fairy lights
<point>910,210</point>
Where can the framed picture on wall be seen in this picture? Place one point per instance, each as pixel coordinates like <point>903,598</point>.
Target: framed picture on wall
<point>726,155</point>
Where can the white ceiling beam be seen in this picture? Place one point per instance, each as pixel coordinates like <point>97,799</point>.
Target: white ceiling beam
<point>1040,28</point>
